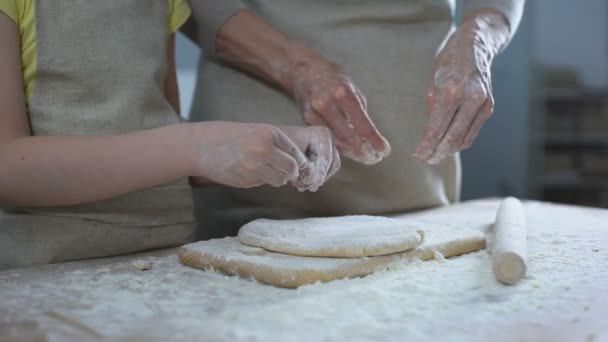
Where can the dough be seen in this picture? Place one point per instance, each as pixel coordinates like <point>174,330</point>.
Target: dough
<point>342,237</point>
<point>142,265</point>
<point>231,257</point>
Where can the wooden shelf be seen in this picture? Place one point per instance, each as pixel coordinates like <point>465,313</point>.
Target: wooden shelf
<point>569,144</point>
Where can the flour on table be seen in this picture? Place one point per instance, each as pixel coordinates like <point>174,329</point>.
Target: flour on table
<point>342,237</point>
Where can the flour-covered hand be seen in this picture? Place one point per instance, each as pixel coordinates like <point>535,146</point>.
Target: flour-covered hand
<point>323,159</point>
<point>328,97</point>
<point>459,98</point>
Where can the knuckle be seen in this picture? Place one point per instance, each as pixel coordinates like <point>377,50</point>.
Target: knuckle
<point>452,140</point>
<point>340,91</point>
<point>319,104</point>
<point>492,103</point>
<point>261,150</point>
<point>453,92</point>
<point>478,97</point>
<point>266,134</point>
<point>251,165</point>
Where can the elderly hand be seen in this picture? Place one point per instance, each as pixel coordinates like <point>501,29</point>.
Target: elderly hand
<point>459,97</point>
<point>327,97</point>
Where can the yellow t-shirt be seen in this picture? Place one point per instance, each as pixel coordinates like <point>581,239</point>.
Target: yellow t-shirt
<point>23,13</point>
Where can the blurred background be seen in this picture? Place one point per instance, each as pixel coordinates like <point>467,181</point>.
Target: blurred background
<point>548,138</point>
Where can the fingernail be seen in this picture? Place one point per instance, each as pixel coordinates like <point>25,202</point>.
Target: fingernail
<point>386,151</point>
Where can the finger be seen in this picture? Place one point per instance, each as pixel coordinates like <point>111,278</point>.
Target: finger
<point>336,121</point>
<point>439,121</point>
<point>273,177</point>
<point>283,143</point>
<point>454,137</point>
<point>314,119</point>
<point>342,130</point>
<point>361,98</point>
<point>283,163</point>
<point>484,113</point>
<point>323,150</point>
<point>356,114</point>
<point>463,119</point>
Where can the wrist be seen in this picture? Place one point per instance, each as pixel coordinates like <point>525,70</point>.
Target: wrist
<point>487,27</point>
<point>303,63</point>
<point>188,147</point>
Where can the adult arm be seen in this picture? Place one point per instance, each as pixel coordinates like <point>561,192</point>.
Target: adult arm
<point>325,94</point>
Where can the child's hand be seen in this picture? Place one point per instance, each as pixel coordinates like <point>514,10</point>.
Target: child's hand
<point>249,155</point>
<point>319,146</point>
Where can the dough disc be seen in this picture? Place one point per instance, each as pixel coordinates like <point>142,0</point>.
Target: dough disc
<point>338,237</point>
<point>231,257</point>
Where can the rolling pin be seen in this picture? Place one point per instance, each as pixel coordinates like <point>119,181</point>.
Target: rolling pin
<point>509,255</point>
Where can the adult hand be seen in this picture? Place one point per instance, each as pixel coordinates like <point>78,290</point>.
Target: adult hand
<point>459,97</point>
<point>327,97</point>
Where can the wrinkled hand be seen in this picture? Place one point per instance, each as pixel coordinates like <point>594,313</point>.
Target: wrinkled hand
<point>323,160</point>
<point>249,155</point>
<point>327,97</point>
<point>460,97</point>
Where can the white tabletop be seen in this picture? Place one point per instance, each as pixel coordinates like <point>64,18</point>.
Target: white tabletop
<point>564,297</point>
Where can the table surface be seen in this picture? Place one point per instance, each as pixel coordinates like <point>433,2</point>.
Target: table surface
<point>564,297</point>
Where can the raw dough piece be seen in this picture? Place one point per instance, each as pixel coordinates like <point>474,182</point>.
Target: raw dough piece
<point>342,237</point>
<point>142,265</point>
<point>230,257</point>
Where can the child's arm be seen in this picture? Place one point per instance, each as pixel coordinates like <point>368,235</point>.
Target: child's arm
<point>61,170</point>
<point>54,170</point>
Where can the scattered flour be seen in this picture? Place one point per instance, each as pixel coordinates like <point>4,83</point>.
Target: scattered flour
<point>457,300</point>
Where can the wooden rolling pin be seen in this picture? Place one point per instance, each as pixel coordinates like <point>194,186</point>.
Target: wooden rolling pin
<point>509,255</point>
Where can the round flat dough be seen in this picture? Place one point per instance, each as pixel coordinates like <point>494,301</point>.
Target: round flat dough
<point>341,237</point>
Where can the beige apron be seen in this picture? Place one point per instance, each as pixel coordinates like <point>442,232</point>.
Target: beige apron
<point>387,47</point>
<point>101,67</point>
